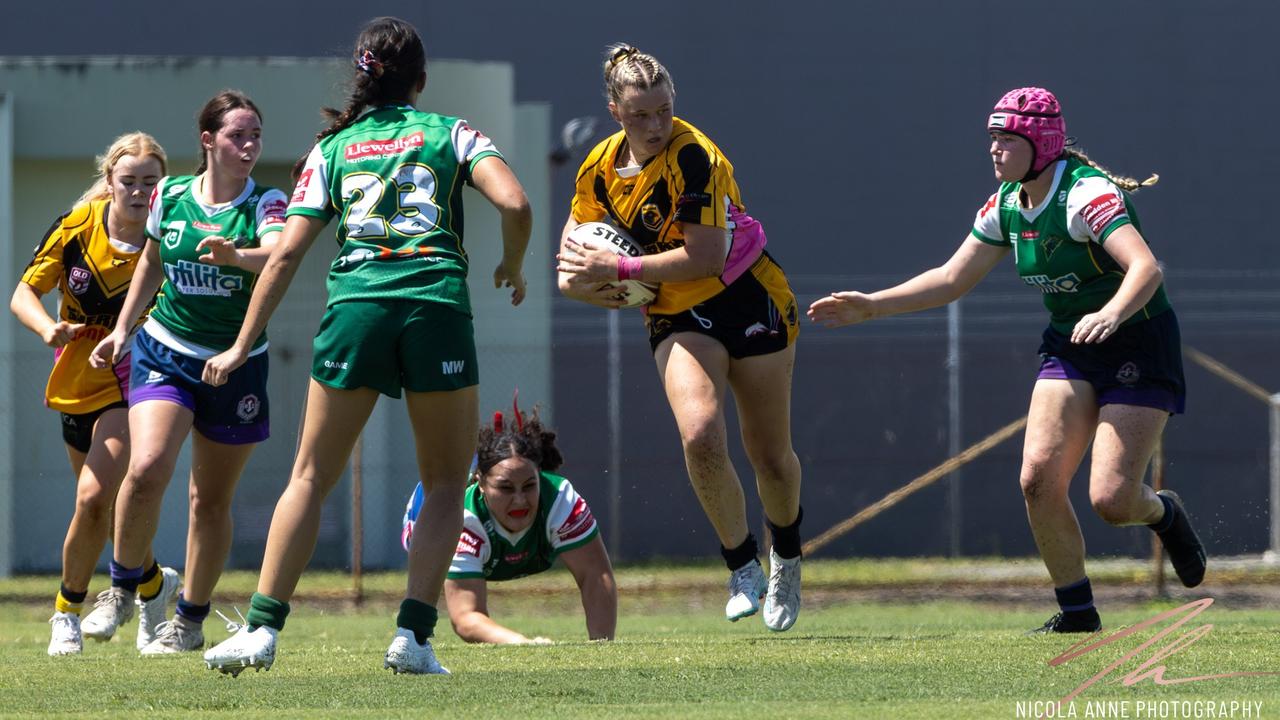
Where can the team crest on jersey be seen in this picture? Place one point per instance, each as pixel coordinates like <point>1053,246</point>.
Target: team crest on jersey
<point>1050,245</point>
<point>173,233</point>
<point>78,280</point>
<point>1128,373</point>
<point>651,216</point>
<point>248,407</point>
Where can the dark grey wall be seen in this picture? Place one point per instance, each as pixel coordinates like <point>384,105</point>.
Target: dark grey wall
<point>857,134</point>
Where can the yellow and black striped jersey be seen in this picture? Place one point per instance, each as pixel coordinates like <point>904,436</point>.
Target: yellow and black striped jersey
<point>93,275</point>
<point>690,181</point>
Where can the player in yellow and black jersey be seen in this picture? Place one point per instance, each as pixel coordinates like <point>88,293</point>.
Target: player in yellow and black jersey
<point>89,255</point>
<point>724,316</point>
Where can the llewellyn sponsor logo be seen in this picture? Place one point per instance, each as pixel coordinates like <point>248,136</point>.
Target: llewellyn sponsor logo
<point>372,149</point>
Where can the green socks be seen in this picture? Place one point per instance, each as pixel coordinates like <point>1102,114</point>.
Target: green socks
<point>268,611</point>
<point>418,617</point>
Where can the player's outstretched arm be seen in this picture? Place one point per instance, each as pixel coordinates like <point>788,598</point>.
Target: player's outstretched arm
<point>469,613</point>
<point>499,186</point>
<point>296,238</point>
<point>594,574</point>
<point>931,288</point>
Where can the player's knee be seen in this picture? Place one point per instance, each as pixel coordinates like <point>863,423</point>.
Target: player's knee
<point>206,508</point>
<point>94,503</point>
<point>1036,481</point>
<point>1114,508</point>
<point>703,442</point>
<point>775,466</point>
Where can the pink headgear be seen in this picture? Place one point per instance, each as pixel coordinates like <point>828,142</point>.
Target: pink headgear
<point>1034,114</point>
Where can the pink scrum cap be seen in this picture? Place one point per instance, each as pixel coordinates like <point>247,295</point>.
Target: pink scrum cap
<point>1034,114</point>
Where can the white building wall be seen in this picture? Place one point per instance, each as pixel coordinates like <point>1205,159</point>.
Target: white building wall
<point>64,113</point>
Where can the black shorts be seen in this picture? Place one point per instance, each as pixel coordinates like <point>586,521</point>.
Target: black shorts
<point>77,430</point>
<point>755,315</point>
<point>1141,364</point>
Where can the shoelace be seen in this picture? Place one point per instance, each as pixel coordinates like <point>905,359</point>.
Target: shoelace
<point>110,597</point>
<point>783,579</point>
<point>233,627</point>
<point>740,580</point>
<point>170,630</point>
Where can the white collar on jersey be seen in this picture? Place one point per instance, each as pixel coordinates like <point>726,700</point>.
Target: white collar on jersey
<point>1033,213</point>
<point>373,108</point>
<point>629,171</point>
<point>197,186</point>
<point>512,537</point>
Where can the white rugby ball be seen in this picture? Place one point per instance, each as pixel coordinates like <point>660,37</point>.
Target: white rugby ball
<point>604,235</point>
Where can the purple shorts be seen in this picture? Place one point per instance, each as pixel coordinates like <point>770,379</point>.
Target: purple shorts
<point>233,414</point>
<point>1140,365</point>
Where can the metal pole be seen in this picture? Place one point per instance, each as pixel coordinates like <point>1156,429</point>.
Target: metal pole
<point>1157,549</point>
<point>615,437</point>
<point>953,421</point>
<point>357,519</point>
<point>1273,554</point>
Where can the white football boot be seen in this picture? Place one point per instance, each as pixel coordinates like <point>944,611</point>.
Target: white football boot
<point>151,612</point>
<point>113,608</point>
<point>246,649</point>
<point>66,638</point>
<point>406,656</point>
<point>178,635</point>
<point>746,587</point>
<point>782,603</point>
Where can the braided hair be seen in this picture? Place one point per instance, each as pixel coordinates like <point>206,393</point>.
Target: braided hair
<point>389,60</point>
<point>625,66</point>
<point>1123,182</point>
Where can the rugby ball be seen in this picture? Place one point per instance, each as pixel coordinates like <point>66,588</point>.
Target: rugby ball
<point>604,235</point>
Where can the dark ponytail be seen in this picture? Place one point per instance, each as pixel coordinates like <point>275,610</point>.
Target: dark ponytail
<point>389,59</point>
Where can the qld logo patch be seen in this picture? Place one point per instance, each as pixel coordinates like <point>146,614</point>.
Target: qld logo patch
<point>78,280</point>
<point>248,407</point>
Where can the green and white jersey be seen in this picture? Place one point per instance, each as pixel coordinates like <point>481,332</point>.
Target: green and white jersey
<point>1058,245</point>
<point>486,550</point>
<point>201,306</point>
<point>394,178</point>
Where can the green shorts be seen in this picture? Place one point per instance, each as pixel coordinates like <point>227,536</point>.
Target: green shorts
<point>392,344</point>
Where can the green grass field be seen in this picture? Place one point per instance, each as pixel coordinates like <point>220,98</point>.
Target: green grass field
<point>849,656</point>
